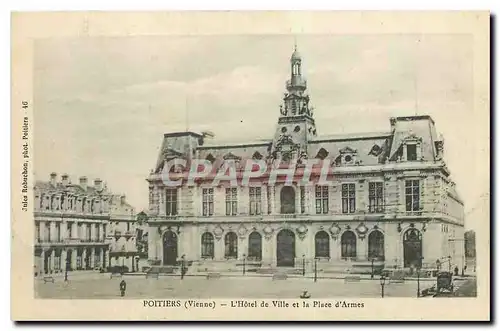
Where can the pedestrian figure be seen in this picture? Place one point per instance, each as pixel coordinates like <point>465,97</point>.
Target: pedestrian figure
<point>456,271</point>
<point>123,287</point>
<point>305,295</point>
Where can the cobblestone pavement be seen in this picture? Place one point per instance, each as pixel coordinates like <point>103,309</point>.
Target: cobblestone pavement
<point>235,287</point>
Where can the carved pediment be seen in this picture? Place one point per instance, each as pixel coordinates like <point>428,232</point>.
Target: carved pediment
<point>231,156</point>
<point>347,150</point>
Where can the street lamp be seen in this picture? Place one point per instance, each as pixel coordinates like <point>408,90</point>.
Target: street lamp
<point>315,269</point>
<point>419,266</point>
<point>66,271</point>
<point>303,264</point>
<point>373,261</point>
<point>244,261</point>
<point>382,284</point>
<point>183,258</point>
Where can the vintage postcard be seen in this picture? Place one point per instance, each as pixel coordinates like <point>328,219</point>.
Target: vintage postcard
<point>250,166</point>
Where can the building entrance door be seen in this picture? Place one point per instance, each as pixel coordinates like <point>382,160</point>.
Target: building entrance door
<point>412,246</point>
<point>169,248</point>
<point>285,250</point>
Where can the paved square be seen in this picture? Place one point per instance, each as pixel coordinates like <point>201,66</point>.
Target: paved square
<point>226,287</point>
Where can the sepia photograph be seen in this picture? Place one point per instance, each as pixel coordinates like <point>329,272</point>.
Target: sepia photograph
<point>324,168</point>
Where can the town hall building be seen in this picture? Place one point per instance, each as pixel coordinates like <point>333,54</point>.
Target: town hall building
<point>391,201</point>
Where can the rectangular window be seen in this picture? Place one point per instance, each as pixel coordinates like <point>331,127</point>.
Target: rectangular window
<point>47,231</point>
<point>231,201</point>
<point>171,202</point>
<point>412,194</point>
<point>58,232</point>
<point>376,197</point>
<point>255,201</point>
<point>37,232</point>
<point>348,198</point>
<point>88,232</point>
<point>321,199</point>
<point>208,201</point>
<point>302,199</point>
<point>98,232</point>
<point>69,228</point>
<point>411,152</point>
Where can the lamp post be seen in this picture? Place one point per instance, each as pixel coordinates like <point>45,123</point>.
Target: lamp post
<point>66,271</point>
<point>183,258</point>
<point>244,261</point>
<point>303,264</point>
<point>315,269</point>
<point>373,261</point>
<point>419,266</point>
<point>382,285</point>
<point>418,282</point>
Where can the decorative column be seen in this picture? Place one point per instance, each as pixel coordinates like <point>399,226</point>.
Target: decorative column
<point>272,198</point>
<point>296,188</point>
<point>92,257</point>
<point>74,256</point>
<point>93,231</point>
<point>103,257</point>
<point>52,260</point>
<point>42,262</point>
<point>219,249</point>
<point>74,230</point>
<point>307,198</point>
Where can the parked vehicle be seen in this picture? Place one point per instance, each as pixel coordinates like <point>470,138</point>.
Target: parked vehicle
<point>444,282</point>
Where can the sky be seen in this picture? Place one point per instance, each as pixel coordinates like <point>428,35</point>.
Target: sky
<point>102,104</point>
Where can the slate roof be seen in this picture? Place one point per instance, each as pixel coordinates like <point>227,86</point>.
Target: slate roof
<point>369,148</point>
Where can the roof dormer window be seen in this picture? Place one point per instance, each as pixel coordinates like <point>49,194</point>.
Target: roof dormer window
<point>411,152</point>
<point>347,156</point>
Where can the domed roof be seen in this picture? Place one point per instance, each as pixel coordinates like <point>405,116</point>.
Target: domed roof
<point>296,55</point>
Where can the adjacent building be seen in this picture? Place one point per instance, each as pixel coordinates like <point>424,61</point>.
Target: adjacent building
<point>81,226</point>
<point>391,200</point>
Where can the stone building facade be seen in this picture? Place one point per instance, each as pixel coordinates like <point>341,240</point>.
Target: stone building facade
<point>390,201</point>
<point>75,226</point>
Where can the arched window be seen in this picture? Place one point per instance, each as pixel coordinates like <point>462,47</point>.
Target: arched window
<point>322,244</point>
<point>348,243</point>
<point>376,245</point>
<point>231,246</point>
<point>287,199</point>
<point>207,245</point>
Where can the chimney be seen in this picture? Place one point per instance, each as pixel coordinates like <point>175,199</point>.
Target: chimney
<point>65,179</point>
<point>122,199</point>
<point>83,183</point>
<point>98,184</point>
<point>393,123</point>
<point>53,177</point>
